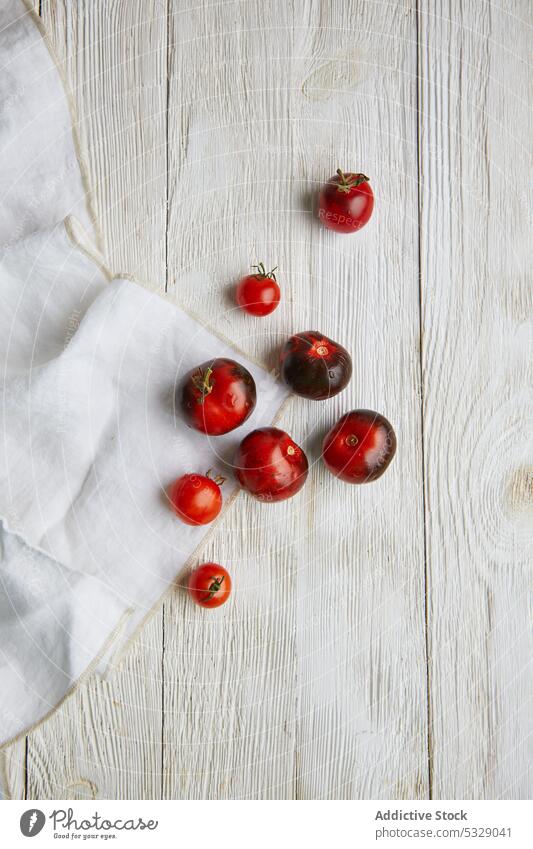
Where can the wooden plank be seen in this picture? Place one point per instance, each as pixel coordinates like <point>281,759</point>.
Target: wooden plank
<point>229,675</point>
<point>477,300</point>
<point>313,682</point>
<point>105,741</point>
<point>360,613</point>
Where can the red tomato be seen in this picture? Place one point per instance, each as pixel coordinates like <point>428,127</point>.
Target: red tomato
<point>359,447</point>
<point>269,465</point>
<point>218,396</point>
<point>258,294</point>
<point>196,499</point>
<point>345,202</point>
<point>314,366</point>
<point>210,585</point>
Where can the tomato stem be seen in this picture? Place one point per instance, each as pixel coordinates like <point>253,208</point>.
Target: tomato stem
<point>213,588</point>
<point>351,182</point>
<point>202,382</point>
<point>218,479</point>
<point>263,274</point>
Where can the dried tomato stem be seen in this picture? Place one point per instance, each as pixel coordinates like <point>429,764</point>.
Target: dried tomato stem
<point>202,382</point>
<point>350,183</point>
<point>218,479</point>
<point>263,274</point>
<point>213,588</point>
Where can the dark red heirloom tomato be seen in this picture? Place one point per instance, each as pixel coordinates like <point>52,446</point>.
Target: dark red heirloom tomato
<point>345,202</point>
<point>218,396</point>
<point>196,499</point>
<point>314,366</point>
<point>359,447</point>
<point>210,585</point>
<point>258,294</point>
<point>269,465</point>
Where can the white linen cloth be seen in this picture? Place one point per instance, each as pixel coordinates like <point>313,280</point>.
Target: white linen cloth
<point>90,436</point>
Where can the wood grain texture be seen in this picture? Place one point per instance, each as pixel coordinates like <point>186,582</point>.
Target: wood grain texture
<point>312,685</point>
<point>475,151</point>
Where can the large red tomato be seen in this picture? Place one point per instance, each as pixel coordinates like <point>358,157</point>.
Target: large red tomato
<point>345,202</point>
<point>359,447</point>
<point>269,464</point>
<point>314,366</point>
<point>210,585</point>
<point>218,396</point>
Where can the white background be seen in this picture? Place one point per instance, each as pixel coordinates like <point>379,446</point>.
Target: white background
<point>235,824</point>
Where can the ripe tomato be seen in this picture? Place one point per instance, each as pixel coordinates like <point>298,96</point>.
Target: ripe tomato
<point>315,366</point>
<point>345,202</point>
<point>196,499</point>
<point>258,294</point>
<point>269,465</point>
<point>359,447</point>
<point>218,396</point>
<point>210,585</point>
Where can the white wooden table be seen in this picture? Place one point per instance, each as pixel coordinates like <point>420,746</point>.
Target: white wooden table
<point>379,642</point>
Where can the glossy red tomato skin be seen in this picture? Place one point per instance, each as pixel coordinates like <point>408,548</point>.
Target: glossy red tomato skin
<point>359,447</point>
<point>345,211</point>
<point>270,465</point>
<point>315,366</point>
<point>258,295</point>
<point>209,585</point>
<point>218,396</point>
<point>195,499</point>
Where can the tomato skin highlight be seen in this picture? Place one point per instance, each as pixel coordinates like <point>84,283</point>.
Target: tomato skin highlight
<point>218,396</point>
<point>314,366</point>
<point>258,295</point>
<point>345,202</point>
<point>269,465</point>
<point>209,585</point>
<point>195,499</point>
<point>359,447</point>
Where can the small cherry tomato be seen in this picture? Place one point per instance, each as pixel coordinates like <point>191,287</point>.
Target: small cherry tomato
<point>210,585</point>
<point>258,294</point>
<point>314,366</point>
<point>196,499</point>
<point>269,465</point>
<point>345,202</point>
<point>359,447</point>
<point>218,396</point>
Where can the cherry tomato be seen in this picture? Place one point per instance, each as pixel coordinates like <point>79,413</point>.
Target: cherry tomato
<point>218,396</point>
<point>359,447</point>
<point>196,499</point>
<point>210,585</point>
<point>315,366</point>
<point>345,202</point>
<point>269,465</point>
<point>258,294</point>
